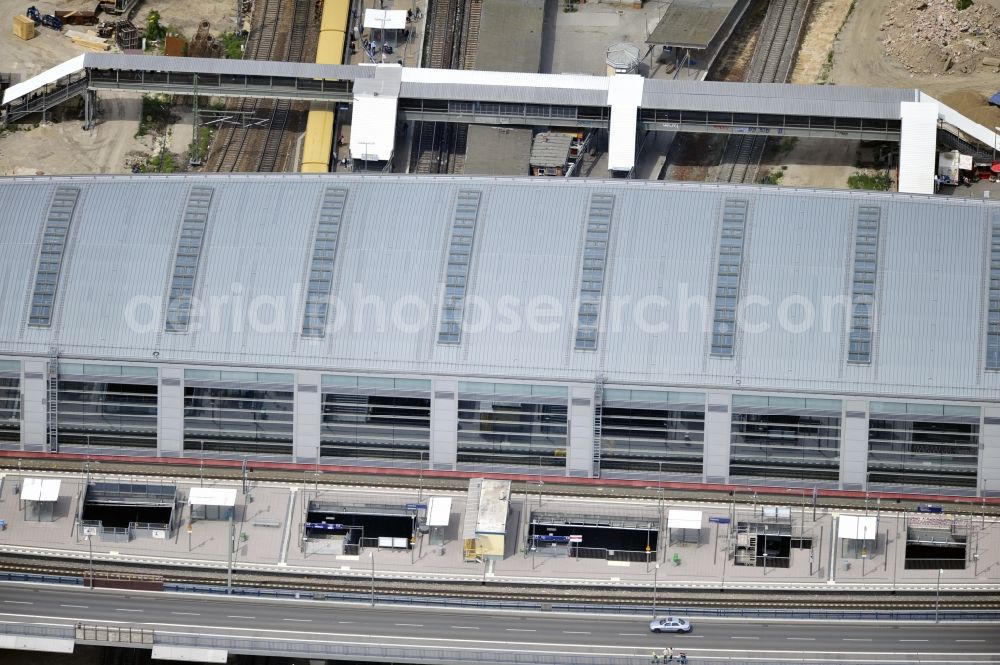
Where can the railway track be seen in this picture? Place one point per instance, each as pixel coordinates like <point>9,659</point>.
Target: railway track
<point>797,498</point>
<point>700,598</point>
<point>771,63</point>
<point>243,145</point>
<point>439,147</point>
<point>259,46</point>
<point>282,108</point>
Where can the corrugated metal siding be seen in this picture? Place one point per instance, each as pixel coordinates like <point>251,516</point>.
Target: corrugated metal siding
<point>160,63</point>
<point>931,297</point>
<point>778,98</point>
<point>664,247</point>
<point>917,147</point>
<point>795,263</point>
<point>24,210</point>
<point>393,247</point>
<point>504,93</point>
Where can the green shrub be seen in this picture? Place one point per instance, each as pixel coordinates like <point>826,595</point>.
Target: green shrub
<point>961,5</point>
<point>154,30</point>
<point>880,181</point>
<point>232,43</point>
<point>772,177</point>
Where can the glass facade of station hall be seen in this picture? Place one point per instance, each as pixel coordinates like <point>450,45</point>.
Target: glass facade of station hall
<point>108,405</point>
<point>10,400</point>
<point>241,412</point>
<point>376,418</point>
<point>532,427</point>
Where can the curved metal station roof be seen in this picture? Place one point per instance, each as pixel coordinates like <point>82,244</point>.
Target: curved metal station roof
<point>114,254</point>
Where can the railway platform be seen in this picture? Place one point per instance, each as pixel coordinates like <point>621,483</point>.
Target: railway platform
<point>269,538</point>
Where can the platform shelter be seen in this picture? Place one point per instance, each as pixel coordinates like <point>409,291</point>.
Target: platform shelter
<point>212,503</point>
<point>39,497</point>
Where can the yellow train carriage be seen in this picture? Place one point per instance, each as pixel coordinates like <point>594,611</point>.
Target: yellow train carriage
<point>318,144</point>
<point>330,48</point>
<point>317,147</point>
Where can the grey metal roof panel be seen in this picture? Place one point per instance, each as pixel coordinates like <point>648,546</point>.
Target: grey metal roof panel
<point>777,98</point>
<point>161,63</point>
<point>550,149</point>
<point>504,93</point>
<point>523,282</point>
<point>691,23</point>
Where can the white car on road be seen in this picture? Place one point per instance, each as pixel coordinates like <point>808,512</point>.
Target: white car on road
<point>670,625</point>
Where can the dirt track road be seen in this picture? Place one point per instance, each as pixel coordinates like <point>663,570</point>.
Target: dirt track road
<point>859,60</point>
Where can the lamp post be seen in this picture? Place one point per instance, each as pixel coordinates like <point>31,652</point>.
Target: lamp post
<point>371,555</point>
<point>90,548</point>
<point>937,596</point>
<point>655,569</point>
<point>864,549</point>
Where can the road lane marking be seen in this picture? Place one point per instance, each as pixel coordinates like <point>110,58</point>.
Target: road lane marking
<point>631,634</point>
<point>299,620</point>
<point>809,639</point>
<point>739,637</point>
<point>577,632</point>
<point>522,630</point>
<point>411,625</point>
<point>237,616</point>
<point>914,640</point>
<point>122,609</point>
<point>970,640</point>
<point>82,607</point>
<point>19,602</point>
<point>346,622</point>
<point>857,639</point>
<point>188,614</point>
<point>466,627</point>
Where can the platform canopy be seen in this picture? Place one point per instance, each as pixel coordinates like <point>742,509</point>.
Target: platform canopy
<point>683,519</point>
<point>691,23</point>
<point>439,511</point>
<point>212,496</point>
<point>41,489</point>
<point>385,19</point>
<point>857,527</point>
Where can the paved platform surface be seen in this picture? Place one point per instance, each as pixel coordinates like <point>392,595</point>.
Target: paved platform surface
<point>271,517</point>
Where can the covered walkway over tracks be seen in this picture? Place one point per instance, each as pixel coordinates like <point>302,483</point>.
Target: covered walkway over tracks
<point>622,104</point>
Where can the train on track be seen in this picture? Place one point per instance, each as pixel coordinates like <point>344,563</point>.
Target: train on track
<point>317,147</point>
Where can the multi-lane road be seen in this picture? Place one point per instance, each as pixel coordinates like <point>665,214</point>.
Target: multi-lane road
<point>482,631</point>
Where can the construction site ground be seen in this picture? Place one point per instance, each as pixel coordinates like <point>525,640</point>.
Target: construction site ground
<point>61,145</point>
<point>860,57</point>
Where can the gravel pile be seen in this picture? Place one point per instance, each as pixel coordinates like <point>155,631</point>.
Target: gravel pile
<point>932,37</point>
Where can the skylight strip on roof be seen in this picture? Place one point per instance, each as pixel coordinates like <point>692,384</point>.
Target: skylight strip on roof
<point>728,275</point>
<point>50,258</point>
<point>863,285</point>
<point>324,254</point>
<point>463,233</point>
<point>189,249</point>
<point>993,311</point>
<point>593,270</point>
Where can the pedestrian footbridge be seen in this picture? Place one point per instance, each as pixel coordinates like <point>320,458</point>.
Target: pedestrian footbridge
<point>624,105</point>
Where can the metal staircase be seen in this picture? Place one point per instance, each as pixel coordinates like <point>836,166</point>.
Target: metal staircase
<point>965,147</point>
<point>52,430</point>
<point>598,417</point>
